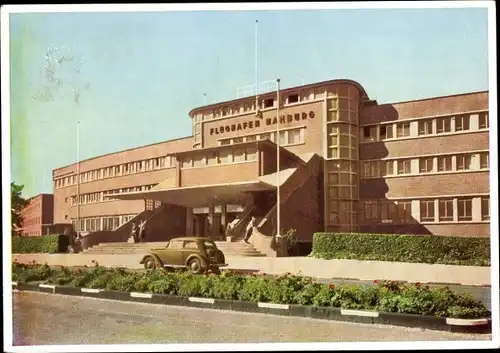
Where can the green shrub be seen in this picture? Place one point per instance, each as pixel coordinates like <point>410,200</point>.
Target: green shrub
<point>403,248</point>
<point>49,244</point>
<point>384,296</point>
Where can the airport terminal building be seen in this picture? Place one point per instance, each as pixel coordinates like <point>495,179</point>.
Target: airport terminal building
<point>346,163</point>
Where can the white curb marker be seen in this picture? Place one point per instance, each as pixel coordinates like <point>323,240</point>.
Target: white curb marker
<point>466,322</point>
<point>141,295</point>
<point>202,300</point>
<point>359,313</point>
<point>14,284</point>
<point>273,306</point>
<point>51,286</point>
<point>90,290</point>
<point>15,290</point>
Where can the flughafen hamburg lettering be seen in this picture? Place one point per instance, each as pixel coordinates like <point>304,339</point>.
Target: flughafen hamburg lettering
<point>256,123</point>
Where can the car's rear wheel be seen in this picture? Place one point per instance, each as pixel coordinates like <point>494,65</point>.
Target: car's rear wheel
<point>194,266</point>
<point>149,263</point>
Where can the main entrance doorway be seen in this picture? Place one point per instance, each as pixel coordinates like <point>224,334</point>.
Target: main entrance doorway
<point>214,227</point>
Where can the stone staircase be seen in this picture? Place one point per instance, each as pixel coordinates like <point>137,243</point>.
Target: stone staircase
<point>238,248</point>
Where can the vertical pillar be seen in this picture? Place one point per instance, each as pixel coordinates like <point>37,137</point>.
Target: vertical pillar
<point>197,227</point>
<point>211,218</point>
<point>476,209</point>
<point>189,221</point>
<point>223,216</point>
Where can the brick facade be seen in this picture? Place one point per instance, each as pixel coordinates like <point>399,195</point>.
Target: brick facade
<point>382,164</point>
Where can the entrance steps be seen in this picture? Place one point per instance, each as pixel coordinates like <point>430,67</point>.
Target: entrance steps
<point>239,248</point>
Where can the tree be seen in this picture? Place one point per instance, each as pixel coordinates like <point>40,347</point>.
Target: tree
<point>18,203</point>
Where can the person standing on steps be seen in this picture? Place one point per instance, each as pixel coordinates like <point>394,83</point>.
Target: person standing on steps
<point>142,227</point>
<point>133,232</point>
<point>249,231</point>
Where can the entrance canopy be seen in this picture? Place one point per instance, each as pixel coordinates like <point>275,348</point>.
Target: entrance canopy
<point>200,195</point>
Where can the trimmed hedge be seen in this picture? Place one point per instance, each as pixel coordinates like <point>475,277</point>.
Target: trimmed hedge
<point>383,296</point>
<point>51,244</point>
<point>403,248</point>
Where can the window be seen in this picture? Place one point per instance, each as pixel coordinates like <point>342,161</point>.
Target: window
<point>444,163</point>
<point>293,136</point>
<point>427,211</point>
<point>462,123</point>
<point>464,162</point>
<point>389,167</point>
<point>186,163</point>
<point>425,127</point>
<point>484,160</point>
<point>465,209</point>
<point>238,140</point>
<point>426,165</point>
<point>446,210</point>
<point>386,132</point>
<point>403,130</point>
<point>282,138</point>
<point>265,137</point>
<point>190,245</point>
<point>225,142</point>
<point>175,244</point>
<point>268,103</point>
<point>225,157</point>
<point>443,125</point>
<point>293,98</point>
<point>483,121</point>
<point>248,107</point>
<point>371,210</point>
<point>370,133</point>
<point>404,166</point>
<point>239,155</point>
<point>251,138</point>
<point>251,154</point>
<point>388,210</point>
<point>485,208</point>
<point>370,169</point>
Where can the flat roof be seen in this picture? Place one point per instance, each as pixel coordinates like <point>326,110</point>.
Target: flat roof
<point>126,150</point>
<point>285,90</point>
<point>438,97</point>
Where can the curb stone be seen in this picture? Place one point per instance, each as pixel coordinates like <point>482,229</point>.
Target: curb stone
<point>307,311</point>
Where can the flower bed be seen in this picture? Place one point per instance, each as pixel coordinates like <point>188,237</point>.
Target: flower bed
<point>384,296</point>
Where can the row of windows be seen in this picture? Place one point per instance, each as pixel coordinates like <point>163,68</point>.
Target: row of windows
<point>249,107</point>
<point>425,127</point>
<point>94,224</point>
<point>287,137</point>
<point>32,221</point>
<point>236,155</point>
<point>35,233</point>
<point>32,207</point>
<point>431,210</point>
<point>118,170</point>
<point>95,197</point>
<point>423,165</point>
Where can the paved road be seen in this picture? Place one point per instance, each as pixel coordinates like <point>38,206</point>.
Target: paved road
<point>41,319</point>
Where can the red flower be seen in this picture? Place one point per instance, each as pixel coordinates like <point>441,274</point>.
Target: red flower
<point>332,286</point>
<point>310,281</point>
<point>79,270</point>
<point>376,281</point>
<point>417,284</point>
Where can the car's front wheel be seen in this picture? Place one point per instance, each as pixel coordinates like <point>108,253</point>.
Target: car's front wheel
<point>194,266</point>
<point>149,263</point>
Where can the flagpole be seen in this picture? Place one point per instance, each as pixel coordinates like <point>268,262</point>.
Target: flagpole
<point>256,68</point>
<point>278,199</point>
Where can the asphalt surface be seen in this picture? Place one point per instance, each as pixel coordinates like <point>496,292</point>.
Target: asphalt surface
<point>52,319</point>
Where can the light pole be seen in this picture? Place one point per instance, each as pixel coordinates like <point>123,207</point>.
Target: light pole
<point>278,199</point>
<point>78,179</point>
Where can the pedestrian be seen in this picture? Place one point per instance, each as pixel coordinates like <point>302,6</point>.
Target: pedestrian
<point>249,229</point>
<point>230,227</point>
<point>142,227</point>
<point>133,232</point>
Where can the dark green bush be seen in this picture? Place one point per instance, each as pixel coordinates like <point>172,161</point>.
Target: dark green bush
<point>51,244</point>
<point>403,248</point>
<point>385,296</point>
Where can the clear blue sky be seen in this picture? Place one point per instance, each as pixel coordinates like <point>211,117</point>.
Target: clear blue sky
<point>146,71</point>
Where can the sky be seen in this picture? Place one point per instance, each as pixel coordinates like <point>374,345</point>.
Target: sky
<point>138,74</point>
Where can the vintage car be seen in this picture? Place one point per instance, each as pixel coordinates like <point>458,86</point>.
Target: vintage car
<point>196,254</point>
